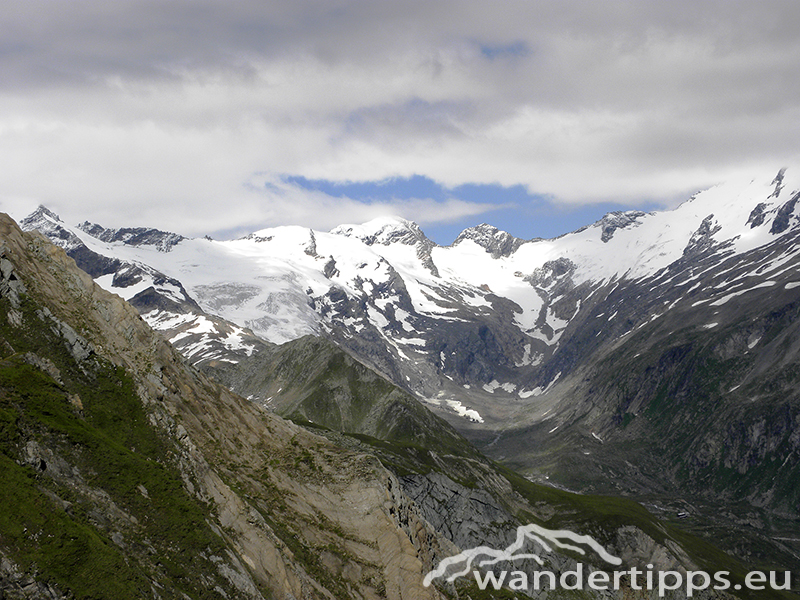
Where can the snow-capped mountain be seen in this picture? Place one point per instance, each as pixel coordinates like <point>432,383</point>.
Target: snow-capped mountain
<point>95,406</point>
<point>644,353</point>
<point>478,326</point>
<point>161,299</point>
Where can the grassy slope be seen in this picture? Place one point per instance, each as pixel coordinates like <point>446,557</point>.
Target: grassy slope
<point>311,380</point>
<point>57,529</point>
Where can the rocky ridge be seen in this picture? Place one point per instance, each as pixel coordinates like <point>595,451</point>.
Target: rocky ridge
<point>621,358</point>
<point>230,453</point>
<point>290,513</point>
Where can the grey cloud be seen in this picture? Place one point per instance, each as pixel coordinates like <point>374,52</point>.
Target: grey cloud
<point>178,102</point>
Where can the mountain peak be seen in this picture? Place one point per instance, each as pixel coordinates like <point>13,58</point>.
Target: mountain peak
<point>495,241</point>
<point>385,231</point>
<point>42,213</point>
<point>50,224</point>
<point>133,236</point>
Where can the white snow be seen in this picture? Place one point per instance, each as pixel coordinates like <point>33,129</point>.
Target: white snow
<point>377,318</point>
<point>541,336</point>
<point>269,280</point>
<point>724,299</point>
<point>491,386</point>
<point>507,387</point>
<point>161,320</point>
<point>463,411</point>
<point>105,282</point>
<point>528,359</point>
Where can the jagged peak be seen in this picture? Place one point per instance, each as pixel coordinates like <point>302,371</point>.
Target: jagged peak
<point>385,230</point>
<point>41,212</point>
<point>493,240</point>
<point>618,219</point>
<point>133,236</point>
<point>778,182</point>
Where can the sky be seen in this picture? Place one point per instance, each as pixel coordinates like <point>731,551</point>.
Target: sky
<point>224,117</point>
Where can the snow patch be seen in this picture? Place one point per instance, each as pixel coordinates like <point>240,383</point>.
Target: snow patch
<point>724,299</point>
<point>528,359</point>
<point>491,386</point>
<point>463,411</point>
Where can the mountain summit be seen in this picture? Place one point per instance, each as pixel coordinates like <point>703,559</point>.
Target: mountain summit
<point>126,473</point>
<point>497,243</point>
<point>652,350</point>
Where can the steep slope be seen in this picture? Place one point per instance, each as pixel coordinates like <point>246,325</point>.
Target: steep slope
<point>442,474</point>
<point>173,486</point>
<point>699,407</point>
<point>128,475</point>
<point>312,380</point>
<point>629,357</point>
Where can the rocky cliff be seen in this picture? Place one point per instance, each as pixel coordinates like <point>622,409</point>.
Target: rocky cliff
<point>128,474</point>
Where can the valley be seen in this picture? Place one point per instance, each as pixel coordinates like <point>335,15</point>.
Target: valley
<point>652,356</point>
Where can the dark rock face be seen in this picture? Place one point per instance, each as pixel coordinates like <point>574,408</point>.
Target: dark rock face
<point>702,239</point>
<point>757,216</point>
<point>164,241</point>
<point>553,274</point>
<point>613,221</point>
<point>481,520</point>
<point>496,242</point>
<point>783,218</point>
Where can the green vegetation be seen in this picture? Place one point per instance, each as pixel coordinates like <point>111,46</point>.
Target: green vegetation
<point>111,475</point>
<point>406,452</point>
<point>64,548</point>
<point>316,384</point>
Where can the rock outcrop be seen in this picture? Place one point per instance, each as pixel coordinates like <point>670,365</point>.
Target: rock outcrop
<point>294,516</point>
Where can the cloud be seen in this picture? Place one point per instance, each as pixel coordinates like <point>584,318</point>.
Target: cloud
<point>275,201</point>
<point>166,109</point>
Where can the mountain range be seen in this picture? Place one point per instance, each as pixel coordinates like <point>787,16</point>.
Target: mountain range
<point>127,473</point>
<point>649,355</point>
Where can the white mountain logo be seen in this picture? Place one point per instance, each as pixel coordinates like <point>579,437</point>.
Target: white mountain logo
<point>482,556</point>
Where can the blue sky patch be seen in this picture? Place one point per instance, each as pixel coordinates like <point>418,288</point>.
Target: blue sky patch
<point>513,50</point>
<point>517,211</point>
